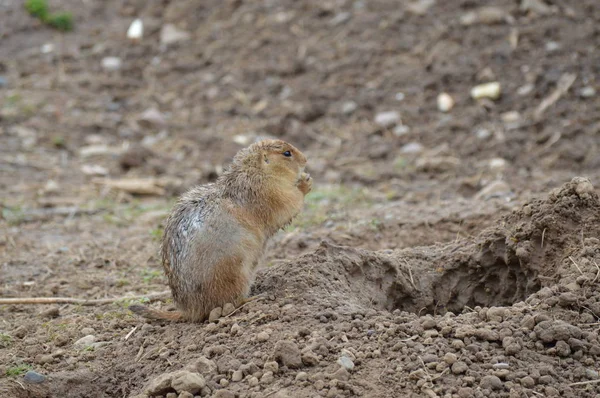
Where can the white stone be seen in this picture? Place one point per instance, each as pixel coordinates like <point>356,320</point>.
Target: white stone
<point>47,48</point>
<point>387,119</point>
<point>487,90</point>
<point>537,6</point>
<point>420,7</point>
<point>401,130</point>
<point>51,187</point>
<point>152,117</point>
<point>526,89</point>
<point>169,34</point>
<point>552,46</point>
<point>346,363</point>
<point>511,117</point>
<point>497,164</point>
<point>111,64</point>
<point>445,102</point>
<point>412,147</point>
<point>483,134</point>
<point>587,92</point>
<point>349,107</point>
<point>242,139</point>
<point>136,30</point>
<point>94,170</point>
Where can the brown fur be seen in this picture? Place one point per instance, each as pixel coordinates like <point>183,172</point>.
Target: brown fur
<point>216,235</point>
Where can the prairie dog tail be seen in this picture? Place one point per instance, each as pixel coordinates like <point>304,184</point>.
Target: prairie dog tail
<point>151,313</point>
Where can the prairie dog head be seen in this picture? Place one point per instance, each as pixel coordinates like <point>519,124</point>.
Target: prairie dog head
<point>281,160</point>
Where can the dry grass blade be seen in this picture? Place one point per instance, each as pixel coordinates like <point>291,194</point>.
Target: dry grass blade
<point>597,273</point>
<point>564,84</point>
<point>582,383</point>
<point>577,266</point>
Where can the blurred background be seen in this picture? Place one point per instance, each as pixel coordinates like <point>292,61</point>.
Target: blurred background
<point>423,121</point>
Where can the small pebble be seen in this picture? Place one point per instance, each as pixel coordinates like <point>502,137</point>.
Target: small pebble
<point>262,337</point>
<point>136,30</point>
<point>223,394</point>
<point>235,329</point>
<point>497,165</point>
<point>487,90</point>
<point>527,382</point>
<point>552,46</point>
<point>445,102</point>
<point>450,358</point>
<point>587,92</point>
<point>228,308</point>
<point>170,34</point>
<point>341,374</point>
<point>302,376</point>
<point>111,64</point>
<point>412,147</point>
<point>535,6</point>
<point>428,323</point>
<point>584,187</point>
<point>153,118</point>
<point>491,383</point>
<point>288,354</point>
<point>346,363</point>
<point>87,331</point>
<point>34,377</point>
<point>485,15</point>
<point>52,312</point>
<point>387,119</point>
<point>349,107</point>
<point>309,358</point>
<point>459,367</point>
<point>215,314</point>
<point>47,48</point>
<point>271,366</point>
<point>237,375</point>
<point>401,130</point>
<point>524,90</point>
<point>267,378</point>
<point>42,359</point>
<point>483,134</point>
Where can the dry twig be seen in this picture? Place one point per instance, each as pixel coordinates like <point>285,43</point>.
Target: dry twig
<point>68,300</point>
<point>562,86</point>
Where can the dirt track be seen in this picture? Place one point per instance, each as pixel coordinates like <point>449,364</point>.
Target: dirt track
<point>441,254</point>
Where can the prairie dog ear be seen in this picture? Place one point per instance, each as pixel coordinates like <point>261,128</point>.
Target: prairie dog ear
<point>265,158</point>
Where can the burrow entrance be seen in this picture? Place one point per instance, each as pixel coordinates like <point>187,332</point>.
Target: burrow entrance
<point>430,281</point>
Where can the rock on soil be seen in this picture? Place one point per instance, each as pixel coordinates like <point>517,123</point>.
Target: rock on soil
<point>288,354</point>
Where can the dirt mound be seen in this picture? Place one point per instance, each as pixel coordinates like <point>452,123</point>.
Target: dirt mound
<point>503,265</point>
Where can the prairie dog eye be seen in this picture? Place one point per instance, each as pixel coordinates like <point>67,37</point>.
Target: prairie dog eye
<point>287,154</point>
